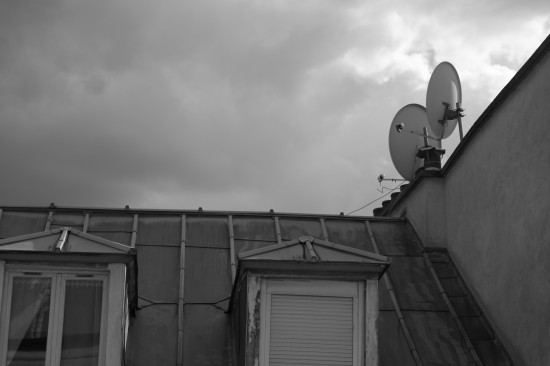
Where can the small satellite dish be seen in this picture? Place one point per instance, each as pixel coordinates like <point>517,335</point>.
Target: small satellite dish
<point>404,145</point>
<point>444,92</point>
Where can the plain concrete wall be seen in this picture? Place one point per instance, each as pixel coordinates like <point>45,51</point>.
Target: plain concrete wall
<point>496,204</point>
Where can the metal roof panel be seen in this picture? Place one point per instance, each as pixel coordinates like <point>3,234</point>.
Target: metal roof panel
<point>70,219</point>
<point>384,300</point>
<point>207,274</point>
<point>414,285</point>
<point>292,228</point>
<point>437,338</point>
<point>395,238</point>
<point>152,337</point>
<point>254,228</point>
<point>350,233</point>
<point>207,231</point>
<point>159,230</point>
<point>205,336</point>
<point>158,277</point>
<point>105,222</point>
<point>392,345</point>
<point>15,223</point>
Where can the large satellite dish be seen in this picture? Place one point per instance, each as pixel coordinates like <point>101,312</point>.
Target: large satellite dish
<point>404,146</point>
<point>444,92</point>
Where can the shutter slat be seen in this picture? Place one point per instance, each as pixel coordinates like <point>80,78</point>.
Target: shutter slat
<point>311,330</point>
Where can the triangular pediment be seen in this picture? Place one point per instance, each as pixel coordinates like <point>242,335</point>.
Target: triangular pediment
<point>310,249</point>
<point>63,240</point>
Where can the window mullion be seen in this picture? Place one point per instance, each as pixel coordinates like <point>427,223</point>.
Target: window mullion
<point>56,318</point>
<point>103,332</point>
<point>357,326</point>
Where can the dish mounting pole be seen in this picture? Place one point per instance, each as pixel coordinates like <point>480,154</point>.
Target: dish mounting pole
<point>459,118</point>
<point>451,114</point>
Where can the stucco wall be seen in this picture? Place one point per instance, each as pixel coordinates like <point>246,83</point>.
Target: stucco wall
<point>498,218</point>
<point>497,213</point>
<point>424,206</point>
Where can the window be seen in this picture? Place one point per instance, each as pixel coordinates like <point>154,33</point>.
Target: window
<point>53,318</point>
<point>64,299</point>
<point>306,302</point>
<point>311,322</point>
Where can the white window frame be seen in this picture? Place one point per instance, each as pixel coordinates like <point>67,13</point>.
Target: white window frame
<point>314,287</point>
<point>112,311</point>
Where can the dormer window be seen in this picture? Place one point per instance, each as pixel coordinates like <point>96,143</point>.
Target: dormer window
<point>64,299</point>
<point>307,301</point>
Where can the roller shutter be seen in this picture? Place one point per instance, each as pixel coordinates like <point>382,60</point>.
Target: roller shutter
<point>311,330</point>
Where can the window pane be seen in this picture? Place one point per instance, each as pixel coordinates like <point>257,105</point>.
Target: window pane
<point>82,323</point>
<point>29,317</point>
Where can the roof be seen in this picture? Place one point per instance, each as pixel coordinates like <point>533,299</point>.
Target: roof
<point>187,260</point>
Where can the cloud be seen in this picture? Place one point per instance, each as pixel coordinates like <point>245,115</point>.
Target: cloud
<point>232,105</point>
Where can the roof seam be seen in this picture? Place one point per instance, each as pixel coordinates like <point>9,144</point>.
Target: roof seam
<point>391,292</point>
<point>458,323</point>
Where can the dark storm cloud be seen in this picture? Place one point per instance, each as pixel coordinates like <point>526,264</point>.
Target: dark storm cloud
<point>232,104</point>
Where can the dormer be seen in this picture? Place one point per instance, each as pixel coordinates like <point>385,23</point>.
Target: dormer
<point>306,301</point>
<point>64,298</point>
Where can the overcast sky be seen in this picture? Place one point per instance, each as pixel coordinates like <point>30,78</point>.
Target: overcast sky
<point>233,105</point>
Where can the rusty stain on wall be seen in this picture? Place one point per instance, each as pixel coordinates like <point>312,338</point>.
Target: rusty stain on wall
<point>253,321</point>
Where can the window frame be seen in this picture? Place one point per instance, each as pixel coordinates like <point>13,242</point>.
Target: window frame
<point>314,287</point>
<point>114,300</point>
<point>57,308</point>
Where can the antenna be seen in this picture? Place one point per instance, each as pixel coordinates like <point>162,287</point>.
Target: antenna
<point>382,178</point>
<point>401,127</point>
<point>406,151</point>
<point>443,101</point>
<point>437,122</point>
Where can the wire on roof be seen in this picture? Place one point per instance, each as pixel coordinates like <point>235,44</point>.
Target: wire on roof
<point>214,304</point>
<point>379,198</point>
<point>151,303</point>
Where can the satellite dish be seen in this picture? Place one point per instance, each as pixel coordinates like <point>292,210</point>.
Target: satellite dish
<point>403,145</point>
<point>444,92</point>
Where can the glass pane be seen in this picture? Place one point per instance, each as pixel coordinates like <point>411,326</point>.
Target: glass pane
<point>29,318</point>
<point>82,323</point>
